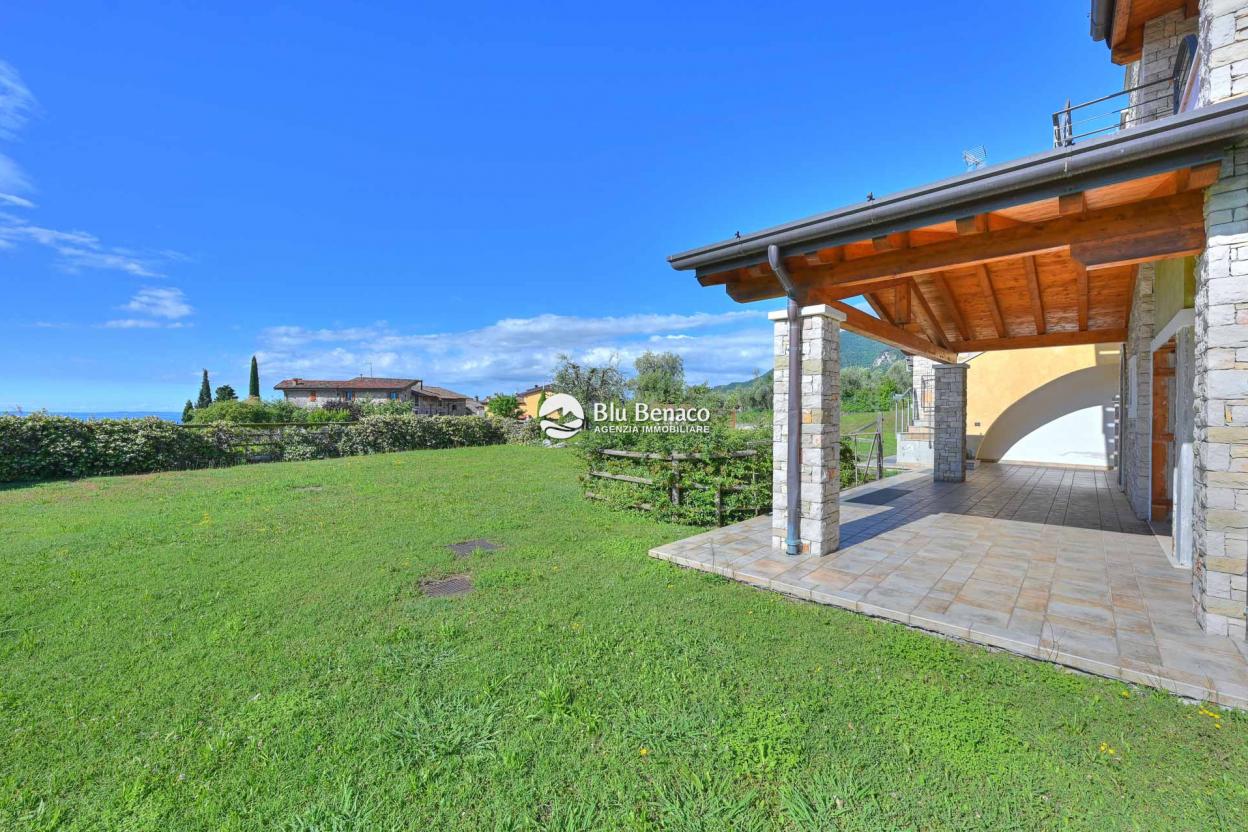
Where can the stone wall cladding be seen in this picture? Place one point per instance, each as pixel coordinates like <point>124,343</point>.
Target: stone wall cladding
<point>1162,36</point>
<point>1224,49</point>
<point>821,430</point>
<point>1220,501</point>
<point>1137,426</point>
<point>949,413</point>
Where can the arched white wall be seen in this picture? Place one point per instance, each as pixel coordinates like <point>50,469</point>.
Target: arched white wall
<point>1068,421</point>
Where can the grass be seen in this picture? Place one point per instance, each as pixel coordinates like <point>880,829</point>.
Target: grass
<point>248,649</point>
<point>851,421</point>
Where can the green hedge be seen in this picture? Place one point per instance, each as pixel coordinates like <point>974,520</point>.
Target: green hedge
<point>39,447</point>
<point>42,447</point>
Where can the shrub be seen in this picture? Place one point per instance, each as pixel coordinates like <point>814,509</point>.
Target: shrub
<point>503,406</point>
<point>382,434</point>
<point>39,447</point>
<point>312,442</point>
<point>250,411</point>
<point>743,482</point>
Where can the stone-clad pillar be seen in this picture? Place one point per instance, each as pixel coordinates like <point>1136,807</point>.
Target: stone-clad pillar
<point>821,429</point>
<point>949,432</point>
<point>1220,499</point>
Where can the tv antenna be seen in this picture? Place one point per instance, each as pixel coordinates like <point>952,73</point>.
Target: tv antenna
<point>975,157</point>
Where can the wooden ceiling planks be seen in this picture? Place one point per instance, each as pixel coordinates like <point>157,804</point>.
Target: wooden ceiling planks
<point>1042,273</point>
<point>1126,30</point>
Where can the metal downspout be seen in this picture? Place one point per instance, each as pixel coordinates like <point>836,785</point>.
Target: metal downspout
<point>793,470</point>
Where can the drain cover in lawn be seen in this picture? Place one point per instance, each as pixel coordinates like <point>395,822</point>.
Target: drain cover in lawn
<point>879,497</point>
<point>451,587</point>
<point>463,550</point>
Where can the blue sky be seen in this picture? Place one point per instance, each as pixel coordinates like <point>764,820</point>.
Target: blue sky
<point>458,193</point>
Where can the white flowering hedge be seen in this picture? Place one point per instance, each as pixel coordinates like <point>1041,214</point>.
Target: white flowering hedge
<point>42,447</point>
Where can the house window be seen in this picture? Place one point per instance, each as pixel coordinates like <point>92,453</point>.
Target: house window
<point>1187,76</point>
<point>312,396</point>
<point>350,395</point>
<point>394,396</point>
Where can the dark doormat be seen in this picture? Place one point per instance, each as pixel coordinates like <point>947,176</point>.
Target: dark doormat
<point>879,497</point>
<point>463,550</point>
<point>452,587</point>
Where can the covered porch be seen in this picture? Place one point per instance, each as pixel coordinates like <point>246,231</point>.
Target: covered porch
<point>1050,563</point>
<point>1066,247</point>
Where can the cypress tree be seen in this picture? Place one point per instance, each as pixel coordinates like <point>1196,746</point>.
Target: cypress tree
<point>253,384</point>
<point>188,412</point>
<point>205,392</point>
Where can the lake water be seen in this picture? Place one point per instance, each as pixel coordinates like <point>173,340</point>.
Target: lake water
<point>167,415</point>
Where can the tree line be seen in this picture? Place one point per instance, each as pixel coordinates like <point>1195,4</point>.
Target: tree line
<point>224,393</point>
<point>659,378</point>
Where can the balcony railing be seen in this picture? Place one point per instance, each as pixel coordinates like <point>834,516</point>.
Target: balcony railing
<point>1109,113</point>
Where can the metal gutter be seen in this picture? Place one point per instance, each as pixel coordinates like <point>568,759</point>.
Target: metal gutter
<point>793,453</point>
<point>1102,18</point>
<point>1166,144</point>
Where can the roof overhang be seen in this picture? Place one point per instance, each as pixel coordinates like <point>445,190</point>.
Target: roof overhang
<point>1019,254</point>
<point>1120,23</point>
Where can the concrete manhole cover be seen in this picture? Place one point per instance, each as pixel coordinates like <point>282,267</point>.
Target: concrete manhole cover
<point>452,587</point>
<point>466,548</point>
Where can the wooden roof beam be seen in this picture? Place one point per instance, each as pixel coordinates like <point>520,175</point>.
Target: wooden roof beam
<point>1050,339</point>
<point>1081,294</point>
<point>977,224</point>
<point>891,242</point>
<point>1153,229</point>
<point>851,291</point>
<point>901,302</point>
<point>878,308</point>
<point>860,322</point>
<point>932,322</point>
<point>990,298</point>
<point>1033,288</point>
<point>1072,204</point>
<point>942,287</point>
<point>1170,226</point>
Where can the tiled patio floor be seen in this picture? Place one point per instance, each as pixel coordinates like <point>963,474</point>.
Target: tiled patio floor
<point>1046,562</point>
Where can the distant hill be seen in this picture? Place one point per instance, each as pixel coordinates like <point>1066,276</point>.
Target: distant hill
<point>856,351</point>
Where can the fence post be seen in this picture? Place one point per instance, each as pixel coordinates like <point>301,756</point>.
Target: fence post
<point>879,438</point>
<point>719,505</point>
<point>675,495</point>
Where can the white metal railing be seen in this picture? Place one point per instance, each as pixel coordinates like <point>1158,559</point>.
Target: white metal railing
<point>914,408</point>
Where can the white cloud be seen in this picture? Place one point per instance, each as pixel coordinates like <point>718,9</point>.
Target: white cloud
<point>75,250</point>
<point>131,323</point>
<point>516,352</point>
<point>78,250</point>
<point>17,103</point>
<point>160,303</point>
<point>13,199</point>
<point>142,323</point>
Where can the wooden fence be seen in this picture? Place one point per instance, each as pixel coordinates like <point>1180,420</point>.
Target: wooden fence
<point>676,484</point>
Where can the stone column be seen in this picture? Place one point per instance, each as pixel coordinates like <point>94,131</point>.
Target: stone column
<point>1137,450</point>
<point>1220,499</point>
<point>821,429</point>
<point>949,437</point>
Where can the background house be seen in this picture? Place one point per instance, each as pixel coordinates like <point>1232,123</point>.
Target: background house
<point>425,399</point>
<point>530,399</point>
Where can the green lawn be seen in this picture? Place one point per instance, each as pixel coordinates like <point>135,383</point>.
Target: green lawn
<point>249,649</point>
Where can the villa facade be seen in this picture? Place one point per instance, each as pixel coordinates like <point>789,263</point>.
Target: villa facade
<point>1088,306</point>
<point>426,400</point>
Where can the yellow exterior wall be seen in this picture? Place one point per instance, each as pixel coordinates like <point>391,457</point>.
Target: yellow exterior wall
<point>529,403</point>
<point>996,380</point>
